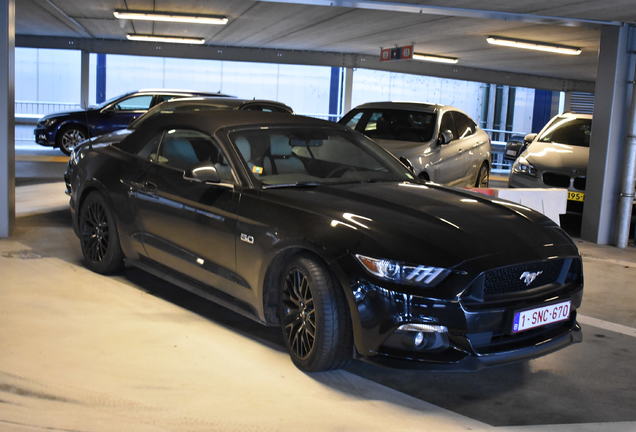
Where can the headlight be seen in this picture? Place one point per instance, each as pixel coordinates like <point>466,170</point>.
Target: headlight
<point>522,166</point>
<point>397,272</point>
<point>49,122</point>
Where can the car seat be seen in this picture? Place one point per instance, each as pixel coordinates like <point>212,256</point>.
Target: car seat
<point>283,160</point>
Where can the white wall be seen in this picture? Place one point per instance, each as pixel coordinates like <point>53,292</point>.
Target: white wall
<point>49,75</point>
<point>374,86</point>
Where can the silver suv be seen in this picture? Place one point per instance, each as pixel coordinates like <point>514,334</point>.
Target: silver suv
<point>557,157</point>
<point>441,142</point>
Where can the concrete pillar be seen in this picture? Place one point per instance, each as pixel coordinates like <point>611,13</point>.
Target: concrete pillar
<point>503,115</point>
<point>7,117</point>
<point>100,79</point>
<point>492,99</point>
<point>608,137</point>
<point>84,78</point>
<point>334,93</point>
<point>348,90</point>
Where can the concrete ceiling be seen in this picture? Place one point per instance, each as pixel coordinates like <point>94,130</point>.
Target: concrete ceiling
<point>305,27</point>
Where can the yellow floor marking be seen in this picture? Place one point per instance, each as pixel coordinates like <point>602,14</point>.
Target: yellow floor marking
<point>38,158</point>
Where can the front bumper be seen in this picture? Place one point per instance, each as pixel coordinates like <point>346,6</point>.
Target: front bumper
<point>479,333</point>
<point>44,136</point>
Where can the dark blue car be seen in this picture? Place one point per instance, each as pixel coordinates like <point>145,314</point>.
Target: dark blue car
<point>65,130</point>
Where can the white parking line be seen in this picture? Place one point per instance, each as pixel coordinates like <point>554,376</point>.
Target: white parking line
<point>606,325</point>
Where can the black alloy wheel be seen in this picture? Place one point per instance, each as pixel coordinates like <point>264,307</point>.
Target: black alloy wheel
<point>69,138</point>
<point>98,235</point>
<point>300,318</point>
<point>314,317</point>
<point>483,178</point>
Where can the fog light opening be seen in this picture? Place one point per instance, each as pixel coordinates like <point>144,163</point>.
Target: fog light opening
<point>425,337</point>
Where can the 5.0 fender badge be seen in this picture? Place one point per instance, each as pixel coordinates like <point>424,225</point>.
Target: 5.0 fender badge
<point>247,238</point>
<point>529,277</point>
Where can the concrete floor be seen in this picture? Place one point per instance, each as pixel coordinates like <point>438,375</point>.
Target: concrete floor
<point>84,352</point>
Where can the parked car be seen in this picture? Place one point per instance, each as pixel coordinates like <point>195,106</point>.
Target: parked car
<point>307,225</point>
<point>195,104</point>
<point>189,104</point>
<point>441,142</point>
<point>557,157</point>
<point>64,130</point>
<point>515,145</point>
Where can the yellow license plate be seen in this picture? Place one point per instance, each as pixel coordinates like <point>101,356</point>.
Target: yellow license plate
<point>576,196</point>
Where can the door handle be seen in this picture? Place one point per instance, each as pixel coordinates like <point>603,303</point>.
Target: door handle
<point>146,186</point>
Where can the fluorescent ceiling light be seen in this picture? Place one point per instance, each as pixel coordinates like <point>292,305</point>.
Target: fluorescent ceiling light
<point>169,39</point>
<point>434,58</point>
<point>170,17</point>
<point>533,45</point>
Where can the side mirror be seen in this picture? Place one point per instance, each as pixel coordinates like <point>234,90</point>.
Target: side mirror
<point>530,137</point>
<point>407,163</point>
<point>204,173</point>
<point>445,137</point>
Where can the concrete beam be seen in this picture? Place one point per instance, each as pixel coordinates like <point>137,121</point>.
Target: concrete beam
<point>7,125</point>
<point>418,8</point>
<point>318,58</point>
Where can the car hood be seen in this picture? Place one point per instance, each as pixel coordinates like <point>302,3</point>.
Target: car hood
<point>105,140</point>
<point>559,157</point>
<point>398,147</point>
<point>431,224</point>
<point>62,114</point>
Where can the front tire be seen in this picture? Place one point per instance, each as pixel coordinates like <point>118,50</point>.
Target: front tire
<point>98,235</point>
<point>69,137</point>
<point>314,316</point>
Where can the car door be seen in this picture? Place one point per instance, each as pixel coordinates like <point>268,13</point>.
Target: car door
<point>121,113</point>
<point>469,155</point>
<point>448,166</point>
<point>189,226</point>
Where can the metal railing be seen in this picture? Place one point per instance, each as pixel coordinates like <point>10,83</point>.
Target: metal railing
<point>25,109</point>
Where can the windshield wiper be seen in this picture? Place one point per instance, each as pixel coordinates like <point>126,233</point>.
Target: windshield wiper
<point>288,185</point>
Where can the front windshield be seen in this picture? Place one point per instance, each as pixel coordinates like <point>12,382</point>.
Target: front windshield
<point>312,156</point>
<point>106,102</point>
<point>570,131</point>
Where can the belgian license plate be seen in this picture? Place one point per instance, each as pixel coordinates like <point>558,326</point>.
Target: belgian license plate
<point>576,196</point>
<point>511,152</point>
<point>537,317</point>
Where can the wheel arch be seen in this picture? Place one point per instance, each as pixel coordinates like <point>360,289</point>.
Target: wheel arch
<point>270,289</point>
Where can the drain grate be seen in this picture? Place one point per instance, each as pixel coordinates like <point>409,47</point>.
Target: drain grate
<point>24,254</point>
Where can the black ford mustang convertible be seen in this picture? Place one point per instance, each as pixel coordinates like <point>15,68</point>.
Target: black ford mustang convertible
<point>304,224</point>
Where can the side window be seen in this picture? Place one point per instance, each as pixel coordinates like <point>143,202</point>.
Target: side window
<point>371,128</point>
<point>465,126</point>
<point>165,97</point>
<point>149,150</point>
<point>184,149</point>
<point>134,103</point>
<point>448,124</point>
<point>353,121</point>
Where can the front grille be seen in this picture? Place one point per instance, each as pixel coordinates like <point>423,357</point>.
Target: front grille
<point>579,183</point>
<point>508,280</point>
<point>556,180</point>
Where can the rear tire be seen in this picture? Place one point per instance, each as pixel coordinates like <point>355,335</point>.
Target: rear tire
<point>483,176</point>
<point>314,316</point>
<point>98,235</point>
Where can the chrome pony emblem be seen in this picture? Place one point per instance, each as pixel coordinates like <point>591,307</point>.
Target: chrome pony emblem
<point>529,277</point>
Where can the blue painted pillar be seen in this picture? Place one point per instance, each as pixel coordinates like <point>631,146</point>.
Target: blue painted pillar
<point>542,109</point>
<point>335,93</point>
<point>100,80</point>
